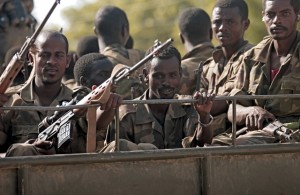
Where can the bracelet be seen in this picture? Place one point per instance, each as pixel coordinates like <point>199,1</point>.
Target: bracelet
<point>211,118</point>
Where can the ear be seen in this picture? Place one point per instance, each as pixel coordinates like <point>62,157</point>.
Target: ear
<point>94,87</point>
<point>181,38</point>
<point>68,60</point>
<point>95,31</point>
<point>263,16</point>
<point>180,71</point>
<point>82,81</point>
<point>247,24</point>
<point>210,34</point>
<point>146,76</point>
<point>30,57</point>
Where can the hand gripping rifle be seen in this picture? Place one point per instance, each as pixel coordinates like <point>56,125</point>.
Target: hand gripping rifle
<point>18,60</point>
<point>59,124</point>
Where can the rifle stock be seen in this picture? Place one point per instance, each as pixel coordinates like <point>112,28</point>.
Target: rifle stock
<point>17,62</point>
<point>55,127</point>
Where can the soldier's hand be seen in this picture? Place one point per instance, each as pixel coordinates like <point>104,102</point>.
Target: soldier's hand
<point>204,103</point>
<point>256,116</point>
<point>113,102</point>
<point>44,147</point>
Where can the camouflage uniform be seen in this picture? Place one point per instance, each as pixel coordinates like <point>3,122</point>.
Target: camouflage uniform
<point>19,126</point>
<point>190,64</point>
<point>118,54</point>
<point>218,77</point>
<point>138,125</point>
<point>254,79</point>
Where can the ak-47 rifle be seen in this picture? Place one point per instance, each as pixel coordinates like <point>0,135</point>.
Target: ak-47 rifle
<point>59,124</point>
<point>18,60</point>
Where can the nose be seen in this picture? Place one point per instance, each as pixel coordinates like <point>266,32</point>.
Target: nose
<point>52,60</point>
<point>277,19</point>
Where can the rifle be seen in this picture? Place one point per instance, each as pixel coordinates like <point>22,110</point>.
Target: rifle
<point>60,127</point>
<point>18,60</point>
<point>279,130</point>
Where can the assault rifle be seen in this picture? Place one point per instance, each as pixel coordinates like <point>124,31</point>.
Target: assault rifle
<point>59,124</point>
<point>18,60</point>
<point>279,130</point>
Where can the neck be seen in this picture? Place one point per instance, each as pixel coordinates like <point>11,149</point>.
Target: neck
<point>282,47</point>
<point>189,45</point>
<point>46,92</point>
<point>229,51</point>
<point>104,43</point>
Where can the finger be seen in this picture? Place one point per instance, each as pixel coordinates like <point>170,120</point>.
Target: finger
<point>260,121</point>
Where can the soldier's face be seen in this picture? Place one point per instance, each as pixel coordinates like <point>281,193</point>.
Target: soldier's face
<point>164,78</point>
<point>50,60</point>
<point>99,72</point>
<point>228,26</point>
<point>280,19</point>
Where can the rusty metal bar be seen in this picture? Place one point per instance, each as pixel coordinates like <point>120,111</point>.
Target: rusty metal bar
<point>234,122</point>
<point>117,127</point>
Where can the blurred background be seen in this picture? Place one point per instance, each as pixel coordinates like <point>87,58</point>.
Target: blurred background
<point>149,19</point>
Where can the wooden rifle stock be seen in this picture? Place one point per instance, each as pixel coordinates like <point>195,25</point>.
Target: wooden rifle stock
<point>54,127</point>
<point>17,61</point>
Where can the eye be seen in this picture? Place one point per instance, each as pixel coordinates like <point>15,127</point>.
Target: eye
<point>270,14</point>
<point>286,14</point>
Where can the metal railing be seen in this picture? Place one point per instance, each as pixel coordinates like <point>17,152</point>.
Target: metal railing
<point>233,99</point>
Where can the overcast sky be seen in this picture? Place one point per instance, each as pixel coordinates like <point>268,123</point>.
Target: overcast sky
<point>41,8</point>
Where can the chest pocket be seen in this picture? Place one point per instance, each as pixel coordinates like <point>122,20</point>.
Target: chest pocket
<point>290,85</point>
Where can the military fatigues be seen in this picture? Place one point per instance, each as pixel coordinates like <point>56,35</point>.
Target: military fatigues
<point>190,64</point>
<point>120,55</point>
<point>254,79</point>
<point>218,77</point>
<point>18,126</point>
<point>138,125</point>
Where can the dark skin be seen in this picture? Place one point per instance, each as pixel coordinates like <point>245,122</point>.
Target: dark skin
<point>229,28</point>
<point>281,22</point>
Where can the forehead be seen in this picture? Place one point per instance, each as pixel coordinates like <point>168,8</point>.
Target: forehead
<point>226,13</point>
<point>165,65</point>
<point>52,43</point>
<point>277,5</point>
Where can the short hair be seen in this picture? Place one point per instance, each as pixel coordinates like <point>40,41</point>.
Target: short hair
<point>82,65</point>
<point>294,3</point>
<point>87,44</point>
<point>240,4</point>
<point>50,33</point>
<point>194,23</point>
<point>166,53</point>
<point>109,21</point>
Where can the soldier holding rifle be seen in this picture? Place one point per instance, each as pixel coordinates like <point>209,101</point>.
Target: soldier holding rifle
<point>270,68</point>
<point>163,126</point>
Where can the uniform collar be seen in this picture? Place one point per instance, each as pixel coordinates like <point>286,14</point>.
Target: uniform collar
<point>144,114</point>
<point>197,49</point>
<point>28,95</point>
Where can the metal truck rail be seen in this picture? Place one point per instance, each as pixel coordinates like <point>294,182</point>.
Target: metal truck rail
<point>256,169</point>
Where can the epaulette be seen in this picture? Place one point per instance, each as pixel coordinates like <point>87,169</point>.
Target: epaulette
<point>126,109</point>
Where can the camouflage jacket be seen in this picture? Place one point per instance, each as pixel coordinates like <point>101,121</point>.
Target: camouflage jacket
<point>138,125</point>
<point>218,75</point>
<point>190,64</point>
<point>18,126</point>
<point>254,78</point>
<point>118,54</point>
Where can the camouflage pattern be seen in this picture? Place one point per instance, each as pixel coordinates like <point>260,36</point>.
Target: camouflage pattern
<point>19,126</point>
<point>190,63</point>
<point>138,125</point>
<point>218,77</point>
<point>131,87</point>
<point>254,79</point>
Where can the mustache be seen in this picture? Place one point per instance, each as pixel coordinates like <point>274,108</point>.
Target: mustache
<point>278,27</point>
<point>166,88</point>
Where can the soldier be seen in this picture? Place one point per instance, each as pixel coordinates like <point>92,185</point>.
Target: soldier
<point>15,19</point>
<point>90,71</point>
<point>50,59</point>
<point>195,34</point>
<point>112,30</point>
<point>229,23</point>
<point>164,126</point>
<point>270,68</point>
<point>87,44</point>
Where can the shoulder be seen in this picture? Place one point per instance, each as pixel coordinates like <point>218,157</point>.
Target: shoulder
<point>126,109</point>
